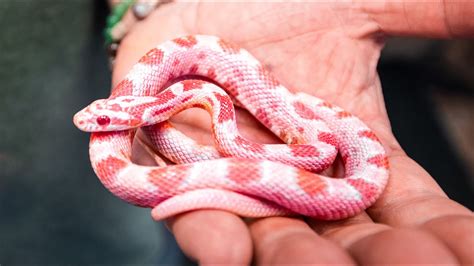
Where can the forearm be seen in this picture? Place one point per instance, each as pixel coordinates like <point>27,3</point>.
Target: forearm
<point>440,19</point>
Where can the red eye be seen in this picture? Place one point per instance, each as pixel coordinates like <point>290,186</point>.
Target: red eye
<point>103,120</point>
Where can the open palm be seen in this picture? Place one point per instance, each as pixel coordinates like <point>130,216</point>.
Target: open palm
<point>330,51</point>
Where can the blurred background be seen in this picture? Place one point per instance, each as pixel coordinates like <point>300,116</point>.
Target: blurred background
<point>53,209</point>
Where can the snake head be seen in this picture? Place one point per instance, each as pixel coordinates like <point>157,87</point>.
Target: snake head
<point>121,113</point>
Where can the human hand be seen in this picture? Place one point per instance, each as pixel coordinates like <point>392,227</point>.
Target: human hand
<point>330,51</point>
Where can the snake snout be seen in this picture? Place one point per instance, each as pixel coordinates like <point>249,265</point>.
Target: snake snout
<point>79,122</point>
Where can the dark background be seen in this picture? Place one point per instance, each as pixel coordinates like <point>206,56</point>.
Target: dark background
<point>52,63</point>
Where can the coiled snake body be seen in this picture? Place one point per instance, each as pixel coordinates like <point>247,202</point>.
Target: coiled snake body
<point>249,179</point>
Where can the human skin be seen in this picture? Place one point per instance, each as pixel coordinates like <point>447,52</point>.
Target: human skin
<point>329,50</point>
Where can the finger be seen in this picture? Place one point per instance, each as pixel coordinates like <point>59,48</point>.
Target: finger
<point>348,231</point>
<point>213,237</point>
<point>386,244</point>
<point>456,232</point>
<point>448,18</point>
<point>389,245</point>
<point>400,246</point>
<point>282,240</point>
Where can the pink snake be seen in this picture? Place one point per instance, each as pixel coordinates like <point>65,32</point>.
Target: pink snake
<point>237,175</point>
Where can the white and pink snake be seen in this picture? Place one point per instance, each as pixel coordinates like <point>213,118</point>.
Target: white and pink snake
<point>237,175</point>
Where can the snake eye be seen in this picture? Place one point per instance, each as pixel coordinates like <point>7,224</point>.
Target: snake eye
<point>103,120</point>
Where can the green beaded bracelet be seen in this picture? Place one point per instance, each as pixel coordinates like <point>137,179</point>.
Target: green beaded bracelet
<point>116,29</point>
<point>115,16</point>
